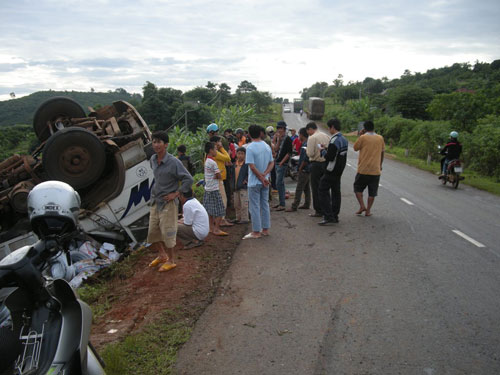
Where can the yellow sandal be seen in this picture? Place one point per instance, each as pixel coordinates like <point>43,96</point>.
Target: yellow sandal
<point>167,267</point>
<point>157,262</point>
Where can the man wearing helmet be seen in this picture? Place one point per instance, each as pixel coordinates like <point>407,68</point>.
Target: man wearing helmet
<point>169,173</point>
<point>451,151</point>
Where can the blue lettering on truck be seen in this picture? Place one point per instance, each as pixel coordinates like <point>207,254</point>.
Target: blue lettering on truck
<point>137,193</point>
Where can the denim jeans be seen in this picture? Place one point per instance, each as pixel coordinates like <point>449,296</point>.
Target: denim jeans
<point>258,199</point>
<point>280,183</point>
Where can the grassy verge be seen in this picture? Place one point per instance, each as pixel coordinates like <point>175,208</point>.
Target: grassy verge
<point>152,351</point>
<point>472,178</point>
<point>95,289</point>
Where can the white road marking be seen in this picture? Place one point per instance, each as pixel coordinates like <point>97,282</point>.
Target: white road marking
<point>349,165</point>
<point>407,201</point>
<point>471,240</point>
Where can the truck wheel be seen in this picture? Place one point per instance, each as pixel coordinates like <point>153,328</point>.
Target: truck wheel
<point>75,156</point>
<point>52,109</point>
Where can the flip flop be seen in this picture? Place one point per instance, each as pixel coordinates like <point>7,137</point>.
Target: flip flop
<point>265,234</point>
<point>221,233</point>
<point>280,208</point>
<point>157,262</point>
<point>167,267</point>
<point>250,236</point>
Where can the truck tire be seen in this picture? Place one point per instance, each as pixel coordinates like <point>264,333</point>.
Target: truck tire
<point>75,156</point>
<point>50,110</point>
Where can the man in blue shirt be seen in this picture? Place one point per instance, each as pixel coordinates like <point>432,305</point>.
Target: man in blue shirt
<point>260,162</point>
<point>336,159</point>
<point>304,176</point>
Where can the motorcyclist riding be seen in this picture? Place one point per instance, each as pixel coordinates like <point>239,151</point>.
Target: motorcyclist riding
<point>452,151</point>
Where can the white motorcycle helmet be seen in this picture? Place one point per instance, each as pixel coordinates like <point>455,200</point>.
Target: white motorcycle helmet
<point>53,208</point>
<point>454,135</point>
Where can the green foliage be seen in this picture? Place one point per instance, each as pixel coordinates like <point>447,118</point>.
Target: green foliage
<point>17,139</point>
<point>424,137</point>
<point>463,109</point>
<point>159,106</point>
<point>197,116</point>
<point>152,351</point>
<point>411,101</point>
<point>198,191</point>
<point>481,148</point>
<point>245,87</point>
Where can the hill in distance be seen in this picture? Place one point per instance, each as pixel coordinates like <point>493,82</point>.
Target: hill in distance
<point>21,110</point>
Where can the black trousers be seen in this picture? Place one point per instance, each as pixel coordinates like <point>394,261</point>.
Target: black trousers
<point>273,178</point>
<point>330,202</point>
<point>317,170</point>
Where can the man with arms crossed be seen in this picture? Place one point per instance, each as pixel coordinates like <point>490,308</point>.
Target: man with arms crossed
<point>371,148</point>
<point>169,173</point>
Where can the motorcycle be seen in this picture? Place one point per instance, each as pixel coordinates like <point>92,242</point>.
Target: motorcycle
<point>453,172</point>
<point>50,326</point>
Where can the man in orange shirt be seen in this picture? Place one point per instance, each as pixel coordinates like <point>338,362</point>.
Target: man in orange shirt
<point>371,148</point>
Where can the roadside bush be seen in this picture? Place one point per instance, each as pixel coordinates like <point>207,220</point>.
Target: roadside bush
<point>424,138</point>
<point>481,148</point>
<point>391,128</point>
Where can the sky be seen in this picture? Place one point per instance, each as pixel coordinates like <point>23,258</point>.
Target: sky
<point>279,46</point>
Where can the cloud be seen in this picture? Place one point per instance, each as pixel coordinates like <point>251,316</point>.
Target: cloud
<point>279,46</point>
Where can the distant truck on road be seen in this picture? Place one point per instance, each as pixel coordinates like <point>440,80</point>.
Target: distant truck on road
<point>298,105</point>
<point>316,108</point>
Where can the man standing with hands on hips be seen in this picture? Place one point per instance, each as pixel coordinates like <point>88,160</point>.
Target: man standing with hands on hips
<point>169,173</point>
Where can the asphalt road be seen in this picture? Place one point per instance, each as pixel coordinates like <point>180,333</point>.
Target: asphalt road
<point>414,289</point>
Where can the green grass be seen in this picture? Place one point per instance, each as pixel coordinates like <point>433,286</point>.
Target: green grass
<point>472,178</point>
<point>151,351</point>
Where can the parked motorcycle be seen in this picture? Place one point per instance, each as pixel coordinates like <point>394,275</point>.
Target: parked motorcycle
<point>50,325</point>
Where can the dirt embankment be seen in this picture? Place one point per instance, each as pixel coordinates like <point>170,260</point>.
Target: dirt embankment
<point>188,289</point>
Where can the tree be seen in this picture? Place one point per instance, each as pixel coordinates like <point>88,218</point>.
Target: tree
<point>262,100</point>
<point>159,105</point>
<point>211,86</point>
<point>463,109</point>
<point>197,116</point>
<point>224,93</point>
<point>411,101</point>
<point>199,94</point>
<point>245,86</point>
<point>12,95</point>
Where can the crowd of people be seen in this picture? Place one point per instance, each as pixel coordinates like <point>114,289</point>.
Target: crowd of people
<point>242,169</point>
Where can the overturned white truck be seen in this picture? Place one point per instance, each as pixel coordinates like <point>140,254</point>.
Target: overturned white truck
<point>103,155</point>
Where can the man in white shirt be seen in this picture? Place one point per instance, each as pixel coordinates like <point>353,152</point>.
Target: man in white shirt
<point>316,142</point>
<point>194,226</point>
